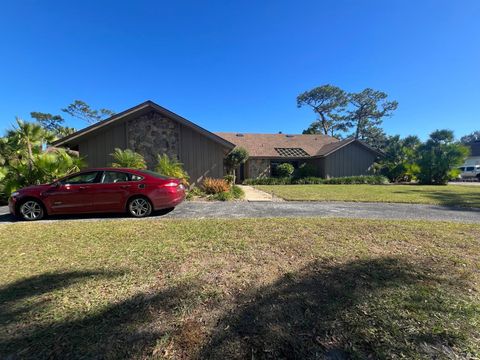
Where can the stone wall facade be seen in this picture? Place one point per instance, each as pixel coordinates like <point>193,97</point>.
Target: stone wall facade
<point>258,168</point>
<point>152,134</point>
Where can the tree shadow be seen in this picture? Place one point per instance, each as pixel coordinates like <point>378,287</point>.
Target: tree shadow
<point>120,330</point>
<point>331,312</point>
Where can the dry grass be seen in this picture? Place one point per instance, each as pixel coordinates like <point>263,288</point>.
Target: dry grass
<point>267,288</point>
<point>449,195</point>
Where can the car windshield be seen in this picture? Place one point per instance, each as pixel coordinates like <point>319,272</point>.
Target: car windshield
<point>154,174</point>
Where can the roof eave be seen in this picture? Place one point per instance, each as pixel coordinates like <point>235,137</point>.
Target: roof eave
<point>142,106</point>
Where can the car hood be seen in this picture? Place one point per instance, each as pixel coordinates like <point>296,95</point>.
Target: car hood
<point>40,187</point>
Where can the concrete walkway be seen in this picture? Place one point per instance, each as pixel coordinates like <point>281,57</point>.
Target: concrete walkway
<point>252,194</point>
<point>244,209</point>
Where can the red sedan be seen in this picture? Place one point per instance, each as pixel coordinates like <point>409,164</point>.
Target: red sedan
<point>112,190</point>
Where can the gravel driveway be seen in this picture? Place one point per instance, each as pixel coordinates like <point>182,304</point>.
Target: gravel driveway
<point>200,210</point>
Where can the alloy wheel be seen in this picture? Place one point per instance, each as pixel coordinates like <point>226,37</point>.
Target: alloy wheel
<point>140,207</point>
<point>31,210</point>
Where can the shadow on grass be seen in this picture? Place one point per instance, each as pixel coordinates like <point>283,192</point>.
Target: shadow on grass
<point>128,329</point>
<point>362,309</point>
<point>375,308</point>
<point>447,198</point>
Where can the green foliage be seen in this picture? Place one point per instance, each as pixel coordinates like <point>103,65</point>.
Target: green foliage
<point>229,179</point>
<point>305,170</point>
<point>222,196</point>
<point>52,123</point>
<point>237,192</point>
<point>172,168</point>
<point>195,192</point>
<point>235,158</point>
<point>361,179</point>
<point>81,110</point>
<point>327,101</point>
<point>25,162</point>
<point>439,157</point>
<point>128,159</point>
<point>284,170</point>
<point>399,161</point>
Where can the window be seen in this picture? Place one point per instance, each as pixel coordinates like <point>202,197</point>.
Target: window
<point>462,168</point>
<point>154,174</point>
<point>135,177</point>
<point>470,168</point>
<point>110,177</point>
<point>83,178</point>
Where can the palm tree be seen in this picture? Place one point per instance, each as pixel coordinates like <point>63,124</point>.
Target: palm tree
<point>171,167</point>
<point>128,159</point>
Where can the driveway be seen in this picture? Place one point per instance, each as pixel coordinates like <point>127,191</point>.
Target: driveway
<point>203,210</point>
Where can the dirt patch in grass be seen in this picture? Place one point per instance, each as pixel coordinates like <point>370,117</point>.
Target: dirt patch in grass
<point>264,288</point>
<point>449,195</point>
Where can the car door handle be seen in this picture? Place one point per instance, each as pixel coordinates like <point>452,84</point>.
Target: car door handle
<point>83,187</point>
<point>124,186</point>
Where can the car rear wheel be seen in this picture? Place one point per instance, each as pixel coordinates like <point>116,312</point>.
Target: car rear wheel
<point>139,207</point>
<point>31,210</point>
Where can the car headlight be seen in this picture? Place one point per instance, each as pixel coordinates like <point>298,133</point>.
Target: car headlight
<point>16,193</point>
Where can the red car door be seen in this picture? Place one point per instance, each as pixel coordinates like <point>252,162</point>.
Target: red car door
<point>112,192</point>
<point>73,194</point>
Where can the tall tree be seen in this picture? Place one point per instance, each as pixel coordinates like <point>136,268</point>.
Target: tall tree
<point>474,136</point>
<point>82,110</point>
<point>369,108</point>
<point>439,157</point>
<point>328,102</point>
<point>52,123</point>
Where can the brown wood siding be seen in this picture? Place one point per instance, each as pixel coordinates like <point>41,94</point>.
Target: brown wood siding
<point>200,156</point>
<point>97,147</point>
<point>351,160</point>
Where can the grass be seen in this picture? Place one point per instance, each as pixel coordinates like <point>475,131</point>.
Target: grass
<point>449,195</point>
<point>243,288</point>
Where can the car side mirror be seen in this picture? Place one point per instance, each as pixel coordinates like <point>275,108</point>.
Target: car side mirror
<point>56,184</point>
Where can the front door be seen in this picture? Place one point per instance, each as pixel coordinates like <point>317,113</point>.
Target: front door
<point>73,194</point>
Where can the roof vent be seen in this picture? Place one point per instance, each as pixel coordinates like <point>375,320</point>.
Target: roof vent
<point>239,135</point>
<point>289,135</point>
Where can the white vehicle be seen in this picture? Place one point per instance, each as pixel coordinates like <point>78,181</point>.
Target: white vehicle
<point>470,172</point>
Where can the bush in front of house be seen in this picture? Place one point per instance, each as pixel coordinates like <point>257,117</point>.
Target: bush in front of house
<point>268,181</point>
<point>358,180</point>
<point>284,170</point>
<point>237,192</point>
<point>214,186</point>
<point>347,180</point>
<point>171,167</point>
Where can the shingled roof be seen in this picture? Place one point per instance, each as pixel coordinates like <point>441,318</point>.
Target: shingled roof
<point>288,146</point>
<point>266,145</point>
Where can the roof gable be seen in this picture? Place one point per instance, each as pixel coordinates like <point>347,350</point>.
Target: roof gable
<point>138,110</point>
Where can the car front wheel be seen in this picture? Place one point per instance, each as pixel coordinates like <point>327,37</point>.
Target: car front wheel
<point>139,207</point>
<point>31,210</point>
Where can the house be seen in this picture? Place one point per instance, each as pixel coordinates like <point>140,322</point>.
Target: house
<point>474,157</point>
<point>150,129</point>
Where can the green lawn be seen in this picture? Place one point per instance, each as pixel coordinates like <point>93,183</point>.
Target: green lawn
<point>244,288</point>
<point>451,195</point>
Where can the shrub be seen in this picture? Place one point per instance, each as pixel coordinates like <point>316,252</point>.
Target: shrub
<point>309,180</point>
<point>268,181</point>
<point>195,192</point>
<point>128,159</point>
<point>215,186</point>
<point>361,179</point>
<point>235,158</point>
<point>229,179</point>
<point>223,196</point>
<point>237,192</point>
<point>305,171</point>
<point>171,167</point>
<point>284,170</point>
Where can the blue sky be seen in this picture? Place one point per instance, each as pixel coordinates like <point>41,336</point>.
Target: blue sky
<point>239,65</point>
